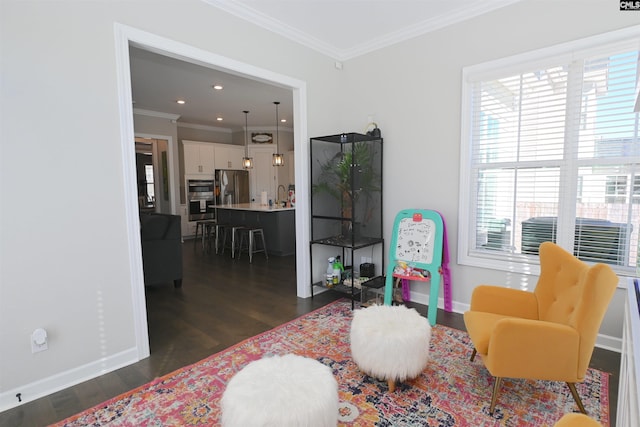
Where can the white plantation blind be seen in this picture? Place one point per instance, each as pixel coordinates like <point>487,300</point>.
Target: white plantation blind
<point>553,154</point>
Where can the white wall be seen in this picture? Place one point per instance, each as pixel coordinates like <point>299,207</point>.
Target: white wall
<point>202,133</point>
<point>418,111</point>
<point>65,262</point>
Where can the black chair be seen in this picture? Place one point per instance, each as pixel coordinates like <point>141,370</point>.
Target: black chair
<point>161,248</point>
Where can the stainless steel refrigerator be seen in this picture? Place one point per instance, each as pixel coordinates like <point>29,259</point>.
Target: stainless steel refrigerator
<point>232,186</point>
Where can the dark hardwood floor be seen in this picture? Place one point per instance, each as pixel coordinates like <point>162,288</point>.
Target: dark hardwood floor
<point>222,302</point>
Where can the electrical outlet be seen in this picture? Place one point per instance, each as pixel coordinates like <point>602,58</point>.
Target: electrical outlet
<point>35,348</point>
<point>39,341</point>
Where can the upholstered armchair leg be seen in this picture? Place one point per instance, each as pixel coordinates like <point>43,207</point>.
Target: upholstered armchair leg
<point>494,396</point>
<point>392,385</point>
<point>576,397</point>
<point>473,355</point>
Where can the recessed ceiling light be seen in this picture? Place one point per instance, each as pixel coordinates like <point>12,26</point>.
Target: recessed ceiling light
<point>181,101</point>
<point>283,120</point>
<point>219,119</point>
<point>217,87</point>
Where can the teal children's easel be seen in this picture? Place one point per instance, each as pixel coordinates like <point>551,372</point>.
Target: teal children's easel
<point>416,254</point>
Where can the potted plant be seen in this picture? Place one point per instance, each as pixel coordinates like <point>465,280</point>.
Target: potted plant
<point>350,178</point>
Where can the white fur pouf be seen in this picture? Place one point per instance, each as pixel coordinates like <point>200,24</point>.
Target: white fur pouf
<point>281,391</point>
<point>390,342</point>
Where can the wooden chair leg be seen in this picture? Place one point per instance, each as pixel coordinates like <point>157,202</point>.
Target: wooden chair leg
<point>494,396</point>
<point>473,355</point>
<point>392,385</point>
<point>576,397</point>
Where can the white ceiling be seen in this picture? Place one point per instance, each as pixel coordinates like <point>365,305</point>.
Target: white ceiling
<point>158,81</point>
<point>341,29</point>
<point>344,29</point>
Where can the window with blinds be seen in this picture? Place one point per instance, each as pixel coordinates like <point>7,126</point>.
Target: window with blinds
<point>552,154</point>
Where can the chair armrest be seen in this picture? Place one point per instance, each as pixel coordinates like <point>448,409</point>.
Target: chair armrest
<point>524,348</point>
<point>504,301</point>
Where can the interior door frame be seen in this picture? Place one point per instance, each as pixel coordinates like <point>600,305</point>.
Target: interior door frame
<point>126,36</point>
<point>171,150</point>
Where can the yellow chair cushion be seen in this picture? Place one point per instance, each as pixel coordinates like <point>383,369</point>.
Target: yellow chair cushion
<point>524,348</point>
<point>577,420</point>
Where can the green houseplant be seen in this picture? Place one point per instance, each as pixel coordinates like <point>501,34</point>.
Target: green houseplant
<point>351,178</point>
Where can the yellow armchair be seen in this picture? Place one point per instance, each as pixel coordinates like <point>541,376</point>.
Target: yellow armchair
<point>576,420</point>
<point>547,334</point>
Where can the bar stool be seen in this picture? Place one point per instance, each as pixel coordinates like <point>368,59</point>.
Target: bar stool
<point>231,230</point>
<point>219,230</point>
<point>252,233</point>
<point>205,227</point>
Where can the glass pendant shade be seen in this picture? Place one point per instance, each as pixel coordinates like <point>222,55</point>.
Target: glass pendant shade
<point>247,162</point>
<point>278,158</point>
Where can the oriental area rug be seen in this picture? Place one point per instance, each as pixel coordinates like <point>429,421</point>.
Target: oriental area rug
<point>451,391</point>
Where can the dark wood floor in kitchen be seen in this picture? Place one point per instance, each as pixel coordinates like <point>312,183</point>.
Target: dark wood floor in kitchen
<point>222,302</point>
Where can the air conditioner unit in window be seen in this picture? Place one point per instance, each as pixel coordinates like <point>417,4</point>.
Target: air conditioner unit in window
<point>498,234</point>
<point>596,240</point>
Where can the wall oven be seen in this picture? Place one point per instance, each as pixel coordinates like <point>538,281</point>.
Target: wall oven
<point>201,200</point>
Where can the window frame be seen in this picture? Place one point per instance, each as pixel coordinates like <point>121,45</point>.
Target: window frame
<point>562,53</point>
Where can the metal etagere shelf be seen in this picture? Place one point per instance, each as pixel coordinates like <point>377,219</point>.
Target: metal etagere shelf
<point>346,206</point>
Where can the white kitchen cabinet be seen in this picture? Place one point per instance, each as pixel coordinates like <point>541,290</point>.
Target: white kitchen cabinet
<point>228,156</point>
<point>191,229</point>
<point>263,176</point>
<point>184,221</point>
<point>188,228</point>
<point>199,158</point>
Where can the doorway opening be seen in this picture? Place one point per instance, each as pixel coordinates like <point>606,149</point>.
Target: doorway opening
<point>127,37</point>
<point>153,175</point>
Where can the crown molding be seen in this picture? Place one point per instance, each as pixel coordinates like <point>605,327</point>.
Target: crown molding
<point>462,13</point>
<point>268,129</point>
<point>159,114</point>
<point>204,127</point>
<point>465,12</point>
<point>276,26</point>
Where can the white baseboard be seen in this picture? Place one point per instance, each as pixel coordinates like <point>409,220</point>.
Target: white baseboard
<point>57,382</point>
<point>606,342</point>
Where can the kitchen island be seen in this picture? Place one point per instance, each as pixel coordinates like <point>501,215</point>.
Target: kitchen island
<point>278,224</point>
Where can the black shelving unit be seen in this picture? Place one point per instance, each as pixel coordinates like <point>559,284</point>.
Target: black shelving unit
<point>346,204</point>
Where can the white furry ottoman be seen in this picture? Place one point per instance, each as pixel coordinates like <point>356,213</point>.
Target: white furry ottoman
<point>390,342</point>
<point>281,391</point>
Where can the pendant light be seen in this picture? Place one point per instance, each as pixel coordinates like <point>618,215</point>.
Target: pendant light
<point>247,162</point>
<point>278,158</point>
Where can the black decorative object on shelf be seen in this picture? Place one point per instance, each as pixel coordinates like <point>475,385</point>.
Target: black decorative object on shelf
<point>375,132</point>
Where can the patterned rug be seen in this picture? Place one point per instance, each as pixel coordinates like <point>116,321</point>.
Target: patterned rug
<point>452,391</point>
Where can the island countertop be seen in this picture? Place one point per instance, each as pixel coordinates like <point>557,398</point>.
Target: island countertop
<point>257,207</point>
<point>277,223</point>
